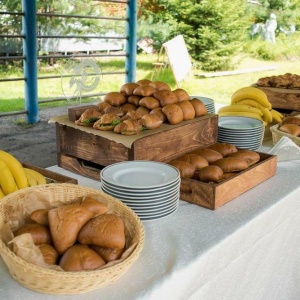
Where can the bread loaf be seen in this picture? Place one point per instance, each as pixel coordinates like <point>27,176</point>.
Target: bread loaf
<point>49,253</point>
<point>209,154</point>
<point>107,231</point>
<point>185,169</point>
<point>173,113</point>
<point>223,148</point>
<point>80,258</point>
<point>199,107</point>
<point>108,254</point>
<point>65,223</point>
<point>291,120</point>
<point>231,164</point>
<point>210,173</point>
<point>128,88</point>
<point>165,97</point>
<point>159,85</point>
<point>115,98</point>
<point>181,94</point>
<point>196,160</point>
<point>40,233</point>
<point>251,157</point>
<point>292,129</point>
<point>93,205</point>
<point>187,109</point>
<point>149,102</point>
<point>40,216</point>
<point>144,90</point>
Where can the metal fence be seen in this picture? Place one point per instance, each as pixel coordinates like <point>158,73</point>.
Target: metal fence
<point>77,54</point>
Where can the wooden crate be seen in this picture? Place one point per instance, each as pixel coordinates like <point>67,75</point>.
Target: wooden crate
<point>51,177</point>
<point>213,196</point>
<point>285,99</point>
<point>86,153</point>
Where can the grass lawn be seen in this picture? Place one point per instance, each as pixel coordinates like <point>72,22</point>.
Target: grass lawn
<point>219,88</point>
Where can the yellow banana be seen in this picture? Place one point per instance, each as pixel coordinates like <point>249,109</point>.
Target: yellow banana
<point>31,179</point>
<point>250,92</point>
<point>40,179</point>
<point>1,193</point>
<point>242,114</point>
<point>7,182</point>
<point>241,108</point>
<point>277,116</point>
<point>15,168</point>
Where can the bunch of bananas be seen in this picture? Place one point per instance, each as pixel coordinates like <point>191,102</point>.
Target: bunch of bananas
<point>13,176</point>
<point>251,102</point>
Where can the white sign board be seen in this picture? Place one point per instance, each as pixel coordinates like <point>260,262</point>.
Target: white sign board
<point>178,57</point>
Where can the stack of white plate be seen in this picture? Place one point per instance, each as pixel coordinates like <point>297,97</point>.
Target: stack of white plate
<point>208,102</point>
<point>244,133</point>
<point>151,189</point>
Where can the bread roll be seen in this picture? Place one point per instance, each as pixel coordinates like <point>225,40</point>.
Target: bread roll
<point>210,174</point>
<point>108,254</point>
<point>187,109</point>
<point>159,85</point>
<point>89,116</point>
<point>251,157</point>
<point>292,129</point>
<point>199,107</point>
<point>80,258</point>
<point>96,207</point>
<point>107,122</point>
<point>165,97</point>
<point>223,148</point>
<point>114,111</point>
<point>107,231</point>
<point>125,108</point>
<point>131,127</point>
<point>128,88</point>
<point>149,102</point>
<point>144,82</point>
<point>102,106</point>
<point>144,90</point>
<point>49,253</point>
<point>291,120</point>
<point>209,154</point>
<point>115,98</point>
<point>185,169</point>
<point>143,110</point>
<point>135,100</point>
<point>173,113</point>
<point>40,216</point>
<point>181,94</point>
<point>133,115</point>
<point>197,161</point>
<point>158,111</point>
<point>231,164</point>
<point>151,121</point>
<point>65,223</point>
<point>40,233</point>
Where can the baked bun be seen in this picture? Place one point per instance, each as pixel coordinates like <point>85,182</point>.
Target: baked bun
<point>144,82</point>
<point>93,205</point>
<point>165,97</point>
<point>223,148</point>
<point>160,85</point>
<point>251,157</point>
<point>107,122</point>
<point>108,254</point>
<point>114,110</point>
<point>40,216</point>
<point>133,115</point>
<point>65,223</point>
<point>49,253</point>
<point>128,88</point>
<point>149,102</point>
<point>151,121</point>
<point>80,258</point>
<point>209,154</point>
<point>231,164</point>
<point>107,231</point>
<point>158,111</point>
<point>144,90</point>
<point>125,108</point>
<point>187,109</point>
<point>185,169</point>
<point>181,94</point>
<point>173,113</point>
<point>197,161</point>
<point>292,129</point>
<point>134,100</point>
<point>40,233</point>
<point>115,98</point>
<point>143,110</point>
<point>291,120</point>
<point>130,127</point>
<point>199,107</point>
<point>102,106</point>
<point>210,174</point>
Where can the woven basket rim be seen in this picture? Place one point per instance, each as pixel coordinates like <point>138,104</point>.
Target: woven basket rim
<point>4,250</point>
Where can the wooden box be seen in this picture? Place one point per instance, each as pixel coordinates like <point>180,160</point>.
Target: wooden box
<point>285,99</point>
<point>86,153</point>
<point>213,196</point>
<point>51,177</point>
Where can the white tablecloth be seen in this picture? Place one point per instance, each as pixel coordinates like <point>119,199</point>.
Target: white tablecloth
<point>249,249</point>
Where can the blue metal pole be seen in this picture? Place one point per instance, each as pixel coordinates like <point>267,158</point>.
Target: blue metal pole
<point>131,48</point>
<point>30,60</point>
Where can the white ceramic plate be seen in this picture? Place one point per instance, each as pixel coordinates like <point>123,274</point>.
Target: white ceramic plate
<point>146,219</point>
<point>140,174</point>
<point>239,123</point>
<point>157,213</point>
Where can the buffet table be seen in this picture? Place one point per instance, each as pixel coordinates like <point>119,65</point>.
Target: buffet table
<point>247,249</point>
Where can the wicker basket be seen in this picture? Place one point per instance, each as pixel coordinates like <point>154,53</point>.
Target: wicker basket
<point>58,282</point>
<point>277,134</point>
